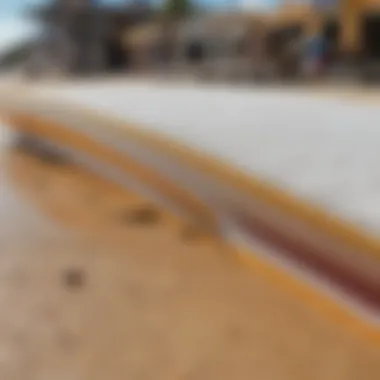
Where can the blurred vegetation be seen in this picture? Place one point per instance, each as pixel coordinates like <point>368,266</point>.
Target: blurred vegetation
<point>15,56</point>
<point>178,9</point>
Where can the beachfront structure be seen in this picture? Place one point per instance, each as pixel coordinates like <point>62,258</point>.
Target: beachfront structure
<point>83,36</point>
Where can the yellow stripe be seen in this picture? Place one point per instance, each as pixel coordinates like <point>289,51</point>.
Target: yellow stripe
<point>297,288</point>
<point>312,298</point>
<point>60,134</point>
<point>281,200</point>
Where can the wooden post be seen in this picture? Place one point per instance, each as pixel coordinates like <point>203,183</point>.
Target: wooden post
<point>350,21</point>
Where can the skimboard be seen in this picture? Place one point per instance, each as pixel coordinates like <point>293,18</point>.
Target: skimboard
<point>310,273</point>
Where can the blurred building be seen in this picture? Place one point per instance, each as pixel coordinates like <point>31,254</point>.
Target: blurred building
<point>83,36</point>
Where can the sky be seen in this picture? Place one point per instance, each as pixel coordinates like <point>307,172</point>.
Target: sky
<point>9,8</point>
<point>15,27</point>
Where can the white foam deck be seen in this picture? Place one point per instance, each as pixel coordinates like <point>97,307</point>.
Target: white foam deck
<point>321,149</point>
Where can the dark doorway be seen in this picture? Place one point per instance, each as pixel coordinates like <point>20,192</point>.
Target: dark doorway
<point>371,36</point>
<point>281,48</point>
<point>277,40</point>
<point>370,48</point>
<point>331,34</point>
<point>195,53</point>
<point>117,57</point>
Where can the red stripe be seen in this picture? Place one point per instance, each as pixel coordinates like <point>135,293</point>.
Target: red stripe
<point>358,287</point>
<point>303,253</point>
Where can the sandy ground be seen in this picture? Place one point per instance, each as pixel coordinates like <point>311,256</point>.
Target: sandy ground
<point>89,291</point>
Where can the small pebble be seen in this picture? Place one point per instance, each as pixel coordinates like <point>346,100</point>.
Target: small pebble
<point>73,279</point>
<point>145,215</point>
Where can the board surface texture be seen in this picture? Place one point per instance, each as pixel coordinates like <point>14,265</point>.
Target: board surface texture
<point>295,141</point>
